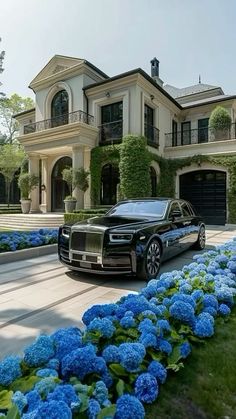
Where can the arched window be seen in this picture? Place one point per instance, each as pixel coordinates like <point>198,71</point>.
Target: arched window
<point>59,108</point>
<point>153,176</point>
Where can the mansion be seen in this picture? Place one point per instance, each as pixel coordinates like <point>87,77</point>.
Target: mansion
<point>79,109</point>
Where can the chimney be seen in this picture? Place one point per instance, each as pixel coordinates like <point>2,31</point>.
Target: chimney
<point>155,71</point>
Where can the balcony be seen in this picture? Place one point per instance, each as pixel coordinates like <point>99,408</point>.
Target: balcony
<point>69,118</point>
<point>152,135</point>
<point>199,136</point>
<point>111,133</point>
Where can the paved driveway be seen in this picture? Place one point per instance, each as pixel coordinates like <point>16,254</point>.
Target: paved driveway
<point>39,295</point>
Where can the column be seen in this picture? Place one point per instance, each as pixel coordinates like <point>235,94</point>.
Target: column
<point>45,189</point>
<point>77,162</point>
<point>34,194</point>
<point>87,158</point>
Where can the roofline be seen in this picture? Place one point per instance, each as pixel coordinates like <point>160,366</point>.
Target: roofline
<point>209,102</point>
<point>129,73</point>
<point>23,112</point>
<point>201,91</point>
<point>96,69</point>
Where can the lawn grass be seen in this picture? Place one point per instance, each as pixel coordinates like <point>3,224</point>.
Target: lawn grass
<point>206,387</point>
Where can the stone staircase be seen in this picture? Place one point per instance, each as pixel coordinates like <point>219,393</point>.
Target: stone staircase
<point>21,222</point>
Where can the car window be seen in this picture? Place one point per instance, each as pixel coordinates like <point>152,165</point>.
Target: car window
<point>153,208</point>
<point>174,209</point>
<point>186,209</point>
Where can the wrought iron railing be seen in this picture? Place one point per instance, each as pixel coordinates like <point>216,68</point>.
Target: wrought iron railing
<point>68,118</point>
<point>111,133</point>
<point>152,135</point>
<point>199,136</point>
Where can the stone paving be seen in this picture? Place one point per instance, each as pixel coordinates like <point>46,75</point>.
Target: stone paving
<point>39,295</point>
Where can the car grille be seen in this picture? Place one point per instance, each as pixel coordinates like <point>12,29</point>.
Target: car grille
<point>87,241</point>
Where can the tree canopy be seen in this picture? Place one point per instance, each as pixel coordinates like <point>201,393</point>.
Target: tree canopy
<point>11,159</point>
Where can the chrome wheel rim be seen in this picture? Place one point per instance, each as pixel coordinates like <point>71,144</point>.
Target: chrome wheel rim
<point>153,259</point>
<point>202,237</point>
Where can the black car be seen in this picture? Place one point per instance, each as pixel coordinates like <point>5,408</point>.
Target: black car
<point>133,237</point>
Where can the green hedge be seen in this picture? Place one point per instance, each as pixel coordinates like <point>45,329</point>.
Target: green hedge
<point>75,217</point>
<point>92,211</point>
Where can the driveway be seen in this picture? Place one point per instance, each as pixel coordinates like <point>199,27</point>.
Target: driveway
<point>39,295</point>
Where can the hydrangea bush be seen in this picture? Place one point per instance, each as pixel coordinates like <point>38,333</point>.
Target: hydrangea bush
<point>117,363</point>
<point>11,241</point>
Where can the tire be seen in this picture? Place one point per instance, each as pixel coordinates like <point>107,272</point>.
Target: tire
<point>151,262</point>
<point>201,241</point>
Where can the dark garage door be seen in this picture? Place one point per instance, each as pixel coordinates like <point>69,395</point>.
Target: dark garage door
<point>206,190</point>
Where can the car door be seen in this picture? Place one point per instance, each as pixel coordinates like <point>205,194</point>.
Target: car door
<point>174,237</point>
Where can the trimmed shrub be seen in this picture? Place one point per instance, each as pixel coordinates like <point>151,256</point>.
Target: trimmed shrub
<point>79,216</point>
<point>220,119</point>
<point>134,167</point>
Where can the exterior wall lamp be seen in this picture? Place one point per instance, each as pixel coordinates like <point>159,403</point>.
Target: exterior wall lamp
<point>107,94</point>
<point>43,187</point>
<point>151,97</point>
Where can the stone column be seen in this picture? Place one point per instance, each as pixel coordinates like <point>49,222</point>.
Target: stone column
<point>87,158</point>
<point>34,194</point>
<point>77,162</point>
<point>45,190</point>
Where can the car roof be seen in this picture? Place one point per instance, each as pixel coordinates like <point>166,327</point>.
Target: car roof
<point>147,199</point>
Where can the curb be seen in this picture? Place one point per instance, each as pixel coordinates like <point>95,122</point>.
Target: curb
<point>23,254</point>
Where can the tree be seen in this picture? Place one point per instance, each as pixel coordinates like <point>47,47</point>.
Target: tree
<point>134,168</point>
<point>2,55</point>
<point>220,119</point>
<point>11,159</point>
<point>8,107</point>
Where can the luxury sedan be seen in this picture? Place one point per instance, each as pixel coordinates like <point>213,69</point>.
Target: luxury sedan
<point>133,237</point>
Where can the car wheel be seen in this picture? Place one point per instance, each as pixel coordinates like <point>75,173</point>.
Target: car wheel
<point>201,241</point>
<point>151,262</point>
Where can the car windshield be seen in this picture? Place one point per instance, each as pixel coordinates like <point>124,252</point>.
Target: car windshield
<point>137,208</point>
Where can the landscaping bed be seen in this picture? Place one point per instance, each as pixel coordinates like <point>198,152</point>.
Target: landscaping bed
<point>116,366</point>
<point>12,241</point>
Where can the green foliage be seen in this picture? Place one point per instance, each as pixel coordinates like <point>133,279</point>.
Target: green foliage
<point>27,182</point>
<point>134,167</point>
<point>67,176</point>
<point>81,179</point>
<point>13,413</point>
<point>25,384</point>
<point>5,399</point>
<point>10,106</point>
<point>107,412</point>
<point>11,158</point>
<point>220,119</point>
<point>75,217</point>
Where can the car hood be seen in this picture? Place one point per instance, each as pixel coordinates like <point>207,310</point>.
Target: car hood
<point>117,222</point>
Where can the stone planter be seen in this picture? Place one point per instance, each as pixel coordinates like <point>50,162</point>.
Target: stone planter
<point>70,205</point>
<point>25,205</point>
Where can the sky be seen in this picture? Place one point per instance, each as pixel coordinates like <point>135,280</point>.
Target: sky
<point>189,37</point>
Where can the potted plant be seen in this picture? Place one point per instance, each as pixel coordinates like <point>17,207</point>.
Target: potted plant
<point>27,182</point>
<point>220,123</point>
<point>74,178</point>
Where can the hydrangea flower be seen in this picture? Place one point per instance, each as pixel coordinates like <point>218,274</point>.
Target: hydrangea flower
<point>100,392</point>
<point>146,388</point>
<point>93,409</point>
<point>129,407</point>
<point>163,325</point>
<point>104,326</point>
<point>53,364</point>
<point>66,340</point>
<point>20,400</point>
<point>165,346</point>
<point>156,369</point>
<point>47,372</point>
<point>33,400</point>
<point>131,355</point>
<point>204,328</point>
<point>146,326</point>
<point>65,393</point>
<point>111,354</point>
<point>54,410</point>
<point>148,340</point>
<point>127,321</point>
<point>183,312</point>
<point>185,349</point>
<point>99,310</point>
<point>39,352</point>
<point>224,310</point>
<point>10,370</point>
<point>45,386</point>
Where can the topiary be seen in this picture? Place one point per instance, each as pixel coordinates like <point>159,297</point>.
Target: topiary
<point>134,167</point>
<point>220,119</point>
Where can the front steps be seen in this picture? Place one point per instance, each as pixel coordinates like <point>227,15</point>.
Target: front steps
<point>21,222</point>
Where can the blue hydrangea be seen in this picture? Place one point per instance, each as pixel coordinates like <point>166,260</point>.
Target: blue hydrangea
<point>183,312</point>
<point>149,340</point>
<point>66,340</point>
<point>158,370</point>
<point>147,326</point>
<point>164,325</point>
<point>166,301</point>
<point>107,378</point>
<point>225,295</point>
<point>222,260</point>
<point>53,364</point>
<point>104,326</point>
<point>100,392</point>
<point>211,310</point>
<point>127,321</point>
<point>10,370</point>
<point>186,289</point>
<point>81,362</point>
<point>65,393</point>
<point>165,346</point>
<point>45,386</point>
<point>232,266</point>
<point>33,400</point>
<point>183,297</point>
<point>197,294</point>
<point>224,310</point>
<point>131,355</point>
<point>135,303</point>
<point>99,310</point>
<point>47,372</point>
<point>39,352</point>
<point>93,409</point>
<point>111,354</point>
<point>210,300</point>
<point>20,400</point>
<point>204,328</point>
<point>146,388</point>
<point>54,409</point>
<point>185,349</point>
<point>129,407</point>
<point>148,314</point>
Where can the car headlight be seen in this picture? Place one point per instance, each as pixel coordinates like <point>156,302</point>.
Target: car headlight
<point>120,237</point>
<point>65,232</point>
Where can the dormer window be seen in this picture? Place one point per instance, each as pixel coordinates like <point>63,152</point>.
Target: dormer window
<point>59,108</point>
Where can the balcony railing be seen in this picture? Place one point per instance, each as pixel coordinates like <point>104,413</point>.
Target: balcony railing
<point>152,135</point>
<point>68,118</point>
<point>199,136</point>
<point>111,133</point>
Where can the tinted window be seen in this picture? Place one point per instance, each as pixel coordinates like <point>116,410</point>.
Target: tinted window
<point>174,208</point>
<point>185,209</point>
<point>149,208</point>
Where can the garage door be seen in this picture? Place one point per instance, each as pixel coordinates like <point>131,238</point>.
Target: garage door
<point>206,190</point>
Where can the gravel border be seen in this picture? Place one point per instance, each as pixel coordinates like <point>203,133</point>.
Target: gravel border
<point>32,252</point>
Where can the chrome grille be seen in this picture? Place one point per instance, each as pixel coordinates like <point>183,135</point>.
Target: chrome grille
<point>87,241</point>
